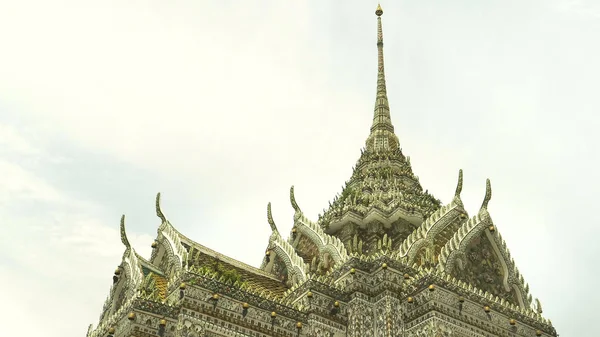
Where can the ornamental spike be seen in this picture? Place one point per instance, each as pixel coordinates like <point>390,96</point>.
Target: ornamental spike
<point>488,194</point>
<point>124,239</point>
<point>270,218</point>
<point>459,185</point>
<point>159,211</point>
<point>293,200</point>
<point>538,306</point>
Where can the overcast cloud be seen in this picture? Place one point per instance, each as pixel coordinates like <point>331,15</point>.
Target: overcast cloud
<point>223,105</point>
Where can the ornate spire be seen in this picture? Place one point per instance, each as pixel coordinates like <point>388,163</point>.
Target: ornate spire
<point>382,135</point>
<point>383,193</point>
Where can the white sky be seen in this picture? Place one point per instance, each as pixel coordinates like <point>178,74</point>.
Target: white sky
<point>223,107</point>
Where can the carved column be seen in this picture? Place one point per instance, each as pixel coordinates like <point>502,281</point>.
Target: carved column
<point>388,317</point>
<point>360,317</point>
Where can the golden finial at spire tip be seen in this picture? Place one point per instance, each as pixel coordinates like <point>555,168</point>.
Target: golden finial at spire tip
<point>379,11</point>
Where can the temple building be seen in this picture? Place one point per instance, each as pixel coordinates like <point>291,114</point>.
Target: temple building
<point>385,259</point>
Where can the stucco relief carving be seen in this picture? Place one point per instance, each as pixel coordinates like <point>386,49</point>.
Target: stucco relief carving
<point>316,329</point>
<point>360,318</point>
<point>432,328</point>
<point>188,326</point>
<point>483,269</point>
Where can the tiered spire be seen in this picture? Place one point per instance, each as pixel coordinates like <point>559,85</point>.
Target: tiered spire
<point>383,190</point>
<point>382,135</point>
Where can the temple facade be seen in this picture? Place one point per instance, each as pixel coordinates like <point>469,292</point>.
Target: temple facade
<point>386,258</point>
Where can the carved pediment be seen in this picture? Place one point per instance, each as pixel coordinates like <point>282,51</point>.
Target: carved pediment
<point>481,266</point>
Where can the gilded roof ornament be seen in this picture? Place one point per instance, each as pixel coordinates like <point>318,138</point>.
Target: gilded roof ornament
<point>159,212</point>
<point>123,234</point>
<point>488,194</point>
<point>270,218</point>
<point>459,186</point>
<point>379,11</point>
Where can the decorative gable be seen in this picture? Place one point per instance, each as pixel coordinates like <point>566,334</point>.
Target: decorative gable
<point>482,267</point>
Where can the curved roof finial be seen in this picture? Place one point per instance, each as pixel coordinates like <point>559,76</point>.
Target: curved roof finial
<point>270,218</point>
<point>459,185</point>
<point>488,194</point>
<point>293,200</point>
<point>159,212</point>
<point>123,234</point>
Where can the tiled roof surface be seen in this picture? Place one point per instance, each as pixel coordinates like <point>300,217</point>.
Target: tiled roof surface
<point>252,280</point>
<point>160,281</point>
<point>255,278</point>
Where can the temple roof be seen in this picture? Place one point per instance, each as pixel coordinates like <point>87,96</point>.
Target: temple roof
<point>382,216</point>
<point>203,260</point>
